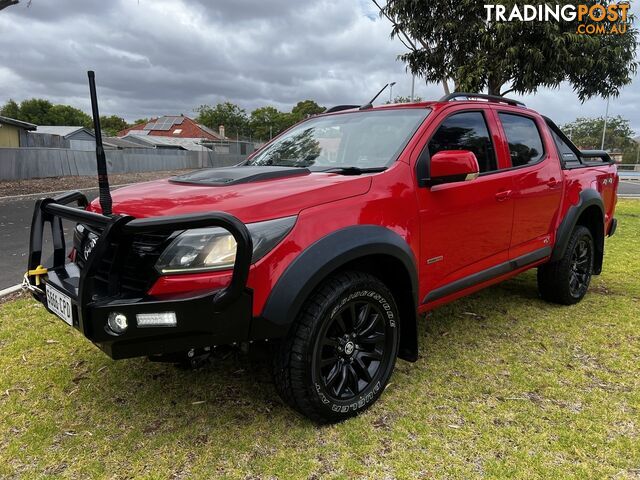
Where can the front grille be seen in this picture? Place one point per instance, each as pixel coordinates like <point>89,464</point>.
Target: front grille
<point>127,267</point>
<point>80,237</point>
<point>138,272</point>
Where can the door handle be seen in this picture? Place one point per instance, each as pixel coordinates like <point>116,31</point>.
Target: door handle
<point>553,183</point>
<point>502,196</point>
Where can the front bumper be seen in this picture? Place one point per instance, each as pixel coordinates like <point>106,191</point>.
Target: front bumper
<point>205,319</point>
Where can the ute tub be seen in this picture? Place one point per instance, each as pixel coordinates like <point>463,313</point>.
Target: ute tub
<point>211,318</point>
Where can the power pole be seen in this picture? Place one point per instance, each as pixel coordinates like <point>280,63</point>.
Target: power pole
<point>604,128</point>
<point>413,85</point>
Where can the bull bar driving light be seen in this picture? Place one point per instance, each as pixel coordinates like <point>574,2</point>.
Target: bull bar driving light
<point>160,319</point>
<point>117,323</point>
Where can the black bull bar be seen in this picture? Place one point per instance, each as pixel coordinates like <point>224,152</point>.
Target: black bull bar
<point>204,319</point>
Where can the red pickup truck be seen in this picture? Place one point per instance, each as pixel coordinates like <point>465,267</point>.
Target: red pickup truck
<point>330,240</point>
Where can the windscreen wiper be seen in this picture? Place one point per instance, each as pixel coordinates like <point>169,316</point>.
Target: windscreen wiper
<point>353,170</point>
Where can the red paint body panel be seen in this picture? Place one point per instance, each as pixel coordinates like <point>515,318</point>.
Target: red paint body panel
<point>251,202</point>
<point>454,230</point>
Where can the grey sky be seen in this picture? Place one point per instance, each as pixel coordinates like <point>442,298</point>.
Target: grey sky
<point>155,57</point>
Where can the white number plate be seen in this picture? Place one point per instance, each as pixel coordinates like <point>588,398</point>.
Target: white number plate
<point>60,304</point>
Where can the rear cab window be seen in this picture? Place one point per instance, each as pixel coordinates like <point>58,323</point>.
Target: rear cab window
<point>567,155</point>
<point>523,137</point>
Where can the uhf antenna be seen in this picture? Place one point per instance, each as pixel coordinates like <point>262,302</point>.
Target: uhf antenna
<point>370,103</point>
<point>101,159</point>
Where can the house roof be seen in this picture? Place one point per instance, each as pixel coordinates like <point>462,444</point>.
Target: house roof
<point>63,131</point>
<point>172,126</point>
<point>192,144</point>
<point>17,123</point>
<point>120,143</point>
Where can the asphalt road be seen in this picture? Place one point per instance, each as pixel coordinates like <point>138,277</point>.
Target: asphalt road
<point>15,221</point>
<point>629,188</point>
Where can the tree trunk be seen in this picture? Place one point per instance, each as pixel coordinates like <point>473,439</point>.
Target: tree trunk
<point>7,3</point>
<point>494,85</point>
<point>445,85</point>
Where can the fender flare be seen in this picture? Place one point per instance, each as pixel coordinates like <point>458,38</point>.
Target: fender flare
<point>587,198</point>
<point>322,258</point>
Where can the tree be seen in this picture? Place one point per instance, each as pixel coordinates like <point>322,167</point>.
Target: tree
<point>140,120</point>
<point>35,110</point>
<point>267,122</point>
<point>401,99</point>
<point>112,125</point>
<point>586,133</point>
<point>10,109</point>
<point>67,115</point>
<point>304,109</point>
<point>233,118</point>
<point>454,40</point>
<point>7,3</point>
<point>42,112</point>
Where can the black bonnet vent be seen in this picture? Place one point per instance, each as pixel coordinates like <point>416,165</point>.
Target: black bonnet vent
<point>217,177</point>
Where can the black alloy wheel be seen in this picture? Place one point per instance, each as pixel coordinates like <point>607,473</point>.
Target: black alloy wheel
<point>581,266</point>
<point>340,352</point>
<point>567,279</point>
<point>352,347</point>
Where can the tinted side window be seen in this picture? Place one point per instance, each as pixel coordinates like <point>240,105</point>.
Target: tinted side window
<point>466,131</point>
<point>525,144</point>
<point>566,154</point>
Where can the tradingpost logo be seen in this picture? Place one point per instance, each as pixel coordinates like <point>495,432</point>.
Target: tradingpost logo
<point>594,19</point>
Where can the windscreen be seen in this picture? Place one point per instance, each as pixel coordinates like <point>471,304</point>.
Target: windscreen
<point>364,139</point>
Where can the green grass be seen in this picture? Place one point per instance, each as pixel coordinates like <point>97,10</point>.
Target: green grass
<point>507,386</point>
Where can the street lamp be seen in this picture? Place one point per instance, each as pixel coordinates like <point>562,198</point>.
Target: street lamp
<point>391,91</point>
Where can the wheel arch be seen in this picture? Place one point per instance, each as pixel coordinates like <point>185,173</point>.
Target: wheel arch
<point>369,248</point>
<point>589,211</point>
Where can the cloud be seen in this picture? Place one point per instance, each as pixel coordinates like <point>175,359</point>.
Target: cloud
<point>155,57</point>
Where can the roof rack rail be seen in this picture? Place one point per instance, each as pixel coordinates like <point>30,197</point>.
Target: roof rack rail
<point>339,108</point>
<point>491,98</point>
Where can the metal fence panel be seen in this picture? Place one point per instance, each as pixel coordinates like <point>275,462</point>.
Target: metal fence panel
<point>24,163</point>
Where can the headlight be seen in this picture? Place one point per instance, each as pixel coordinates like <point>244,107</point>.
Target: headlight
<point>207,249</point>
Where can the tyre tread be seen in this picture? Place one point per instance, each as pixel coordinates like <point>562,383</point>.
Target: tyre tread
<point>288,361</point>
<point>553,277</point>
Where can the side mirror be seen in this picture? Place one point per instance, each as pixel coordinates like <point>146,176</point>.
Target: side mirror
<point>449,166</point>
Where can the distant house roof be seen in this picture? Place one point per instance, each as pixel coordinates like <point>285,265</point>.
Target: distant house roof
<point>17,123</point>
<point>63,131</point>
<point>192,144</point>
<point>121,143</point>
<point>172,126</point>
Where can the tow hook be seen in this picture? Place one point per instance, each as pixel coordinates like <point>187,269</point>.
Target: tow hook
<point>38,273</point>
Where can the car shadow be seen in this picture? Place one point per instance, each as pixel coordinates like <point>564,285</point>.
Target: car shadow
<point>236,389</point>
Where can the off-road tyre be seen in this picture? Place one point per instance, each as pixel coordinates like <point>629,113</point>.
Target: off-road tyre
<point>352,318</point>
<point>566,280</point>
